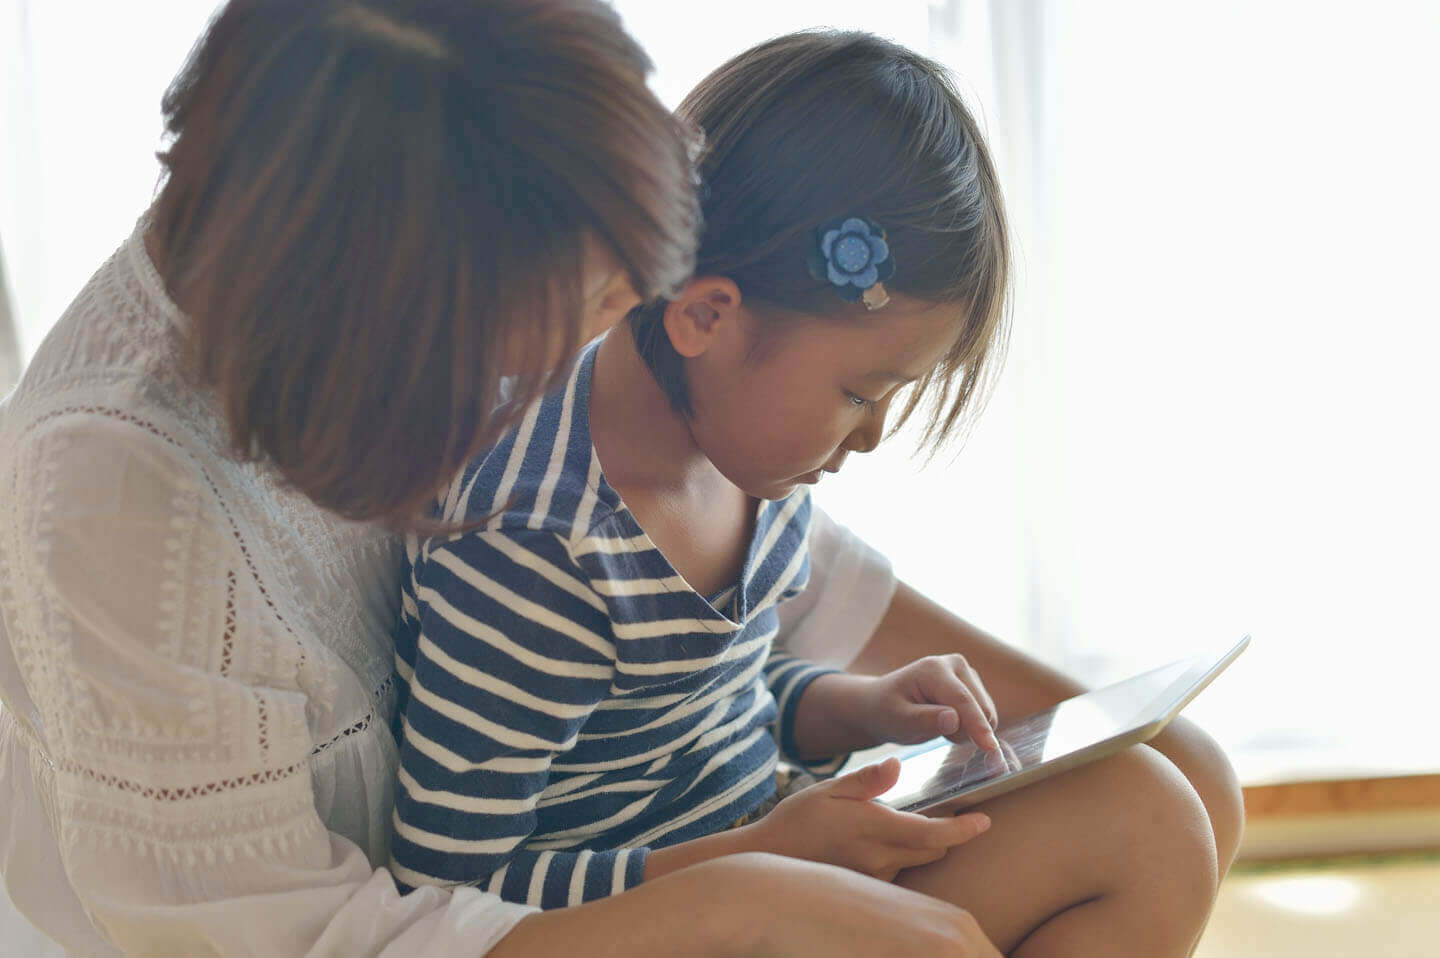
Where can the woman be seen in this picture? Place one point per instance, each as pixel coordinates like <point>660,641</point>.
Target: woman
<point>372,212</point>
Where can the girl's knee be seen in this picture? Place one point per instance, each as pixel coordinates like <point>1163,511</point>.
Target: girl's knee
<point>1204,763</point>
<point>1126,837</point>
<point>1170,842</point>
<point>1169,872</point>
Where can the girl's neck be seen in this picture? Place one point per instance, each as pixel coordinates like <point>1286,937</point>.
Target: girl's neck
<point>642,442</point>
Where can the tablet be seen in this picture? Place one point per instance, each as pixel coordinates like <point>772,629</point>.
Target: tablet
<point>943,777</point>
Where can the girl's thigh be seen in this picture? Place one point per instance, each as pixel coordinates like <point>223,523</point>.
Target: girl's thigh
<point>1113,858</point>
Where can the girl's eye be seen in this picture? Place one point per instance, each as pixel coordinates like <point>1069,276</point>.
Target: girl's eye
<point>860,402</point>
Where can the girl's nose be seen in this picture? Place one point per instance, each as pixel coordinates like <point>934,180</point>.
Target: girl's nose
<point>868,436</point>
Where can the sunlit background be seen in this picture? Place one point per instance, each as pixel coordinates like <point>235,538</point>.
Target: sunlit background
<point>1218,413</point>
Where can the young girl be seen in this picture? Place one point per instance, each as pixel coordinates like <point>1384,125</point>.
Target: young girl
<point>590,695</point>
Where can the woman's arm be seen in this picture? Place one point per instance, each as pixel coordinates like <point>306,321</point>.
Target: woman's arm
<point>915,626</point>
<point>855,615</point>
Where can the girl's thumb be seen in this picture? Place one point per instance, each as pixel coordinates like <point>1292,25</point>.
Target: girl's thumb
<point>866,783</point>
<point>935,720</point>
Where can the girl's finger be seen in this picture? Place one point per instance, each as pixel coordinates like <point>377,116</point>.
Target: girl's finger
<point>998,763</point>
<point>963,828</point>
<point>1010,757</point>
<point>948,690</point>
<point>865,783</point>
<point>971,678</point>
<point>912,858</point>
<point>921,722</point>
<point>886,861</point>
<point>922,833</point>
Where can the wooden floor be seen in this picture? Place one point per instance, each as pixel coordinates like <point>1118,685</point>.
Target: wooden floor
<point>1385,907</point>
<point>1329,870</point>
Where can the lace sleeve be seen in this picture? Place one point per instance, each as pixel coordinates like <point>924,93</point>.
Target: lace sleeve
<point>171,716</point>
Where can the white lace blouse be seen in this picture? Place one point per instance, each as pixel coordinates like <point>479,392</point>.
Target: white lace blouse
<point>195,666</point>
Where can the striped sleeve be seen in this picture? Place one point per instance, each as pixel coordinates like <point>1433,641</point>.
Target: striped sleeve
<point>512,655</point>
<point>787,678</point>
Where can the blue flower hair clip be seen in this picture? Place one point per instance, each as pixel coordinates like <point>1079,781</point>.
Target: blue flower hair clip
<point>852,255</point>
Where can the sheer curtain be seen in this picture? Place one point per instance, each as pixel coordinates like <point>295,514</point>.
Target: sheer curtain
<point>1224,339</point>
<point>9,344</point>
<point>80,88</point>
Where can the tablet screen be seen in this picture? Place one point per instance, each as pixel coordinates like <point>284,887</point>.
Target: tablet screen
<point>941,769</point>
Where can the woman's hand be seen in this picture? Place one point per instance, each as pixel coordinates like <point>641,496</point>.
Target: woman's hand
<point>835,822</point>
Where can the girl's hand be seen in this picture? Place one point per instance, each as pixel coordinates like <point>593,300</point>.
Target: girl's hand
<point>936,695</point>
<point>835,822</point>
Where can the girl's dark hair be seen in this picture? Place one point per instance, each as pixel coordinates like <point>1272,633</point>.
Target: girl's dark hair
<point>369,206</point>
<point>815,126</point>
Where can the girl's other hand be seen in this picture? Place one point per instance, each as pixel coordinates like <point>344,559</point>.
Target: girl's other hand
<point>837,823</point>
<point>936,695</point>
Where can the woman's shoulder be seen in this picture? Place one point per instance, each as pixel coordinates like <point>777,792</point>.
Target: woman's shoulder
<point>119,341</point>
<point>107,381</point>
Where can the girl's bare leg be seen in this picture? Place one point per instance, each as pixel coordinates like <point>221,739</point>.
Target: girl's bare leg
<point>1111,859</point>
<point>1202,762</point>
<point>915,627</point>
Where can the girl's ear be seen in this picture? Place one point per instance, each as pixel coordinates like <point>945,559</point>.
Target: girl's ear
<point>705,307</point>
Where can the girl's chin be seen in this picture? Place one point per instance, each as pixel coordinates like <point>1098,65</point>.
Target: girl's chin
<point>781,488</point>
<point>774,489</point>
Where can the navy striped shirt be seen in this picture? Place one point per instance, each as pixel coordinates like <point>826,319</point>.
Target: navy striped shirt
<point>567,701</point>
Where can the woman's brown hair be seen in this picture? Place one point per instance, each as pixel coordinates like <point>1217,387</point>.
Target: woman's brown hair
<point>815,126</point>
<point>373,210</point>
